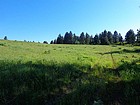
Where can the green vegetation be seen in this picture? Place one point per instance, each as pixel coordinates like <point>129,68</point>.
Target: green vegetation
<point>41,74</point>
<point>104,38</point>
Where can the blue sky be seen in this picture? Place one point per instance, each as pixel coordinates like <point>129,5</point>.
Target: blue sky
<point>39,20</point>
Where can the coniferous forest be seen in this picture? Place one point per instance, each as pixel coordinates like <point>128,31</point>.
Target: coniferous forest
<point>103,38</point>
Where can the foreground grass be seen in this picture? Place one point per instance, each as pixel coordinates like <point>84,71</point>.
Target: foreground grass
<point>39,74</point>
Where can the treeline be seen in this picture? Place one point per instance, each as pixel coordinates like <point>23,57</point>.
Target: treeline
<point>104,38</point>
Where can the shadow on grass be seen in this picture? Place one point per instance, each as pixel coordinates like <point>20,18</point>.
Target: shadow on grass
<point>120,93</point>
<point>51,83</point>
<point>123,90</point>
<point>123,51</point>
<point>131,51</point>
<point>37,84</point>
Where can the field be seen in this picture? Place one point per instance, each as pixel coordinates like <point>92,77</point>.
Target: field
<point>43,74</point>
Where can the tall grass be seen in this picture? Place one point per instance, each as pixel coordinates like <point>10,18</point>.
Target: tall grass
<point>38,74</point>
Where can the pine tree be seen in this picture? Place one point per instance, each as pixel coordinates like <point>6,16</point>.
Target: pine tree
<point>60,39</point>
<point>130,37</point>
<point>138,36</point>
<point>110,37</point>
<point>87,40</point>
<point>120,38</point>
<point>52,42</point>
<point>5,38</point>
<point>115,37</point>
<point>103,38</point>
<point>96,39</point>
<point>82,38</point>
<point>55,41</point>
<point>68,38</point>
<point>45,42</point>
<point>91,40</point>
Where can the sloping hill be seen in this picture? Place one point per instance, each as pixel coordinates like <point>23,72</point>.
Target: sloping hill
<point>41,74</point>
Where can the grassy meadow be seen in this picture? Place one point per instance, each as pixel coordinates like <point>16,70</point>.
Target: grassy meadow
<point>44,74</point>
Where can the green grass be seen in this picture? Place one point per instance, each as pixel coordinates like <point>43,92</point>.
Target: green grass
<point>40,74</point>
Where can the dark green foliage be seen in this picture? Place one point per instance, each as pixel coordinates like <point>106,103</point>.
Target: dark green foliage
<point>45,42</point>
<point>138,36</point>
<point>50,83</point>
<point>55,41</point>
<point>47,52</point>
<point>115,37</point>
<point>110,37</point>
<point>87,40</point>
<point>52,42</point>
<point>35,83</point>
<point>137,50</point>
<point>2,44</point>
<point>130,37</point>
<point>82,38</point>
<point>123,93</point>
<point>68,38</point>
<point>120,39</point>
<point>96,40</point>
<point>110,93</point>
<point>91,40</point>
<point>5,38</point>
<point>60,39</point>
<point>104,38</point>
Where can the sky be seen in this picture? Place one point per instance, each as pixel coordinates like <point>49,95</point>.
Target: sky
<point>39,20</point>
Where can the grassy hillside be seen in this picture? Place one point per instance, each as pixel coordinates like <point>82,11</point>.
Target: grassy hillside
<point>40,74</point>
<point>24,51</point>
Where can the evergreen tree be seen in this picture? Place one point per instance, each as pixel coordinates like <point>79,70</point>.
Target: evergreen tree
<point>68,38</point>
<point>100,38</point>
<point>110,37</point>
<point>55,41</point>
<point>103,38</point>
<point>74,38</point>
<point>45,42</point>
<point>87,40</point>
<point>116,37</point>
<point>138,36</point>
<point>130,37</point>
<point>52,42</point>
<point>5,38</point>
<point>120,38</point>
<point>91,40</point>
<point>82,38</point>
<point>96,39</point>
<point>60,39</point>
